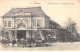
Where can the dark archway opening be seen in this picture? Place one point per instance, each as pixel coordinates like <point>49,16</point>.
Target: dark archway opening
<point>21,34</point>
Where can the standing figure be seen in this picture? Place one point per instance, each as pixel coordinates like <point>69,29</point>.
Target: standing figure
<point>13,42</point>
<point>18,42</point>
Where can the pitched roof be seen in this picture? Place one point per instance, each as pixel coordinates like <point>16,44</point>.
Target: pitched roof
<point>35,11</point>
<point>53,22</point>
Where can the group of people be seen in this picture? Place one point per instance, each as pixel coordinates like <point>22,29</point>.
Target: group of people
<point>23,42</point>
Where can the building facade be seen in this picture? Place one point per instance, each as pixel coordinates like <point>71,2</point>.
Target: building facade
<point>25,22</point>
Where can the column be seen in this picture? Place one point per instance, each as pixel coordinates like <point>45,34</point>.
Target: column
<point>27,34</point>
<point>10,34</point>
<point>15,34</point>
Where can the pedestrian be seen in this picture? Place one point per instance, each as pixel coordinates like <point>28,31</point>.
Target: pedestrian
<point>13,42</point>
<point>18,42</point>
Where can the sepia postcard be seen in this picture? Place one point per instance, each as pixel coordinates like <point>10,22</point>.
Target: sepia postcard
<point>39,25</point>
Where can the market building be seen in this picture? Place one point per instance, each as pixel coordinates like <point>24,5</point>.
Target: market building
<point>25,22</point>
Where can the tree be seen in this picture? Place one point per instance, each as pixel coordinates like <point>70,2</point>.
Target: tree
<point>71,27</point>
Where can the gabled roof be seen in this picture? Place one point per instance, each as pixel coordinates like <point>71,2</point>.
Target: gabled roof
<point>35,11</point>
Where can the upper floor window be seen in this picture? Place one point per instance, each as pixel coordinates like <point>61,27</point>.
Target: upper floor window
<point>5,23</point>
<point>9,23</point>
<point>38,22</point>
<point>34,23</point>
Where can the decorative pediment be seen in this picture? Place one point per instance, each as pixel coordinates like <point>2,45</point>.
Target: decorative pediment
<point>22,14</point>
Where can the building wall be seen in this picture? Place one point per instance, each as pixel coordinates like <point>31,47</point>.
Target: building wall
<point>26,21</point>
<point>46,23</point>
<point>37,21</point>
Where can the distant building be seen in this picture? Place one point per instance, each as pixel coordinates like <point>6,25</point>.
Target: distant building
<point>24,22</point>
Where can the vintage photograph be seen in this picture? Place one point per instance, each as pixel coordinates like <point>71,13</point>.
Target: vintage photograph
<point>39,25</point>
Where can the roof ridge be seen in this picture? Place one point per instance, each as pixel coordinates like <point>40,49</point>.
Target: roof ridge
<point>27,7</point>
<point>34,10</point>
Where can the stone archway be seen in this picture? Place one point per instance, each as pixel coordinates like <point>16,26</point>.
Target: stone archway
<point>21,27</point>
<point>21,24</point>
<point>21,33</point>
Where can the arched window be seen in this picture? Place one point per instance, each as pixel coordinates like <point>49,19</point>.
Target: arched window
<point>21,25</point>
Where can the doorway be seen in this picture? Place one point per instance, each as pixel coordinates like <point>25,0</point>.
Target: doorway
<point>21,34</point>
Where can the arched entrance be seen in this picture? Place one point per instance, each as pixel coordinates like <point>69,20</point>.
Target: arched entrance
<point>21,32</point>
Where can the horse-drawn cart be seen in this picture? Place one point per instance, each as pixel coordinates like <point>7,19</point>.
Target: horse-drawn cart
<point>5,42</point>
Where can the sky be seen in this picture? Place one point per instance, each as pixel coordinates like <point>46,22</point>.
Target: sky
<point>58,10</point>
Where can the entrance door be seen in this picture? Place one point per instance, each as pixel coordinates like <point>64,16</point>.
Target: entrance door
<point>21,34</point>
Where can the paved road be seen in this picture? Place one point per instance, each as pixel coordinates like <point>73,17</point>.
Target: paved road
<point>55,47</point>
